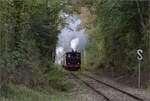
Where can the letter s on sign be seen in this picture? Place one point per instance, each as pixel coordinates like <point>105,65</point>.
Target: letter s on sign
<point>139,53</point>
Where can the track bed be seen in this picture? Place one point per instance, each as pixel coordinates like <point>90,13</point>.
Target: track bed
<point>107,91</point>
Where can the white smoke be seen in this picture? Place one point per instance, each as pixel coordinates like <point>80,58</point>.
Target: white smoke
<point>59,50</point>
<point>74,43</point>
<point>59,54</point>
<point>79,39</point>
<point>70,39</point>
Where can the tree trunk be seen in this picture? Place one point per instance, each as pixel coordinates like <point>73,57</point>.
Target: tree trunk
<point>140,13</point>
<point>18,8</point>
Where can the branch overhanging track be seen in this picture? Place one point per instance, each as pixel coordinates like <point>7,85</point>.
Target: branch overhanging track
<point>115,88</point>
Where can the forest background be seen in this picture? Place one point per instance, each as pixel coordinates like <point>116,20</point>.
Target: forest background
<point>28,38</point>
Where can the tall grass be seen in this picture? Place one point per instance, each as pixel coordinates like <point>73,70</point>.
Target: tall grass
<point>22,93</point>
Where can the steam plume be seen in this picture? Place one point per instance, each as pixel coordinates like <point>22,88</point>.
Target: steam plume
<point>74,43</point>
<point>70,39</point>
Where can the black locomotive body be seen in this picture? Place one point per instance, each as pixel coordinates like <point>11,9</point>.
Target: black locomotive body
<point>73,61</point>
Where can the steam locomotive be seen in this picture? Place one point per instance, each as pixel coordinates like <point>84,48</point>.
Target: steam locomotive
<point>72,61</point>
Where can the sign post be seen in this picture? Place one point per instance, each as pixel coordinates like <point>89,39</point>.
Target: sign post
<point>139,75</point>
<point>140,58</point>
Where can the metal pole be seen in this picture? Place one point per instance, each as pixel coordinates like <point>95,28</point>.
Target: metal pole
<point>139,75</point>
<point>149,45</point>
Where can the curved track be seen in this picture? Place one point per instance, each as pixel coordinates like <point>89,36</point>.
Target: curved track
<point>87,84</point>
<point>108,85</point>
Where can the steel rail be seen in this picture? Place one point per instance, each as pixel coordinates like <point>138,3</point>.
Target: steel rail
<point>122,91</point>
<point>88,85</point>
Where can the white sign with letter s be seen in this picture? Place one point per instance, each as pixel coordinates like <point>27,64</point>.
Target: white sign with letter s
<point>139,53</point>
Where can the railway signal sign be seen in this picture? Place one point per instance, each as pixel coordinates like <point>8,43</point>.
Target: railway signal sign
<point>139,53</point>
<point>139,57</point>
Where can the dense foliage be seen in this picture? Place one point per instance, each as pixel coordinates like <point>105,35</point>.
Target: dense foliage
<point>29,28</point>
<point>116,30</point>
<point>28,37</point>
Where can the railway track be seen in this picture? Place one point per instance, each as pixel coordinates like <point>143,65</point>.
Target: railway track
<point>99,92</point>
<point>88,85</point>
